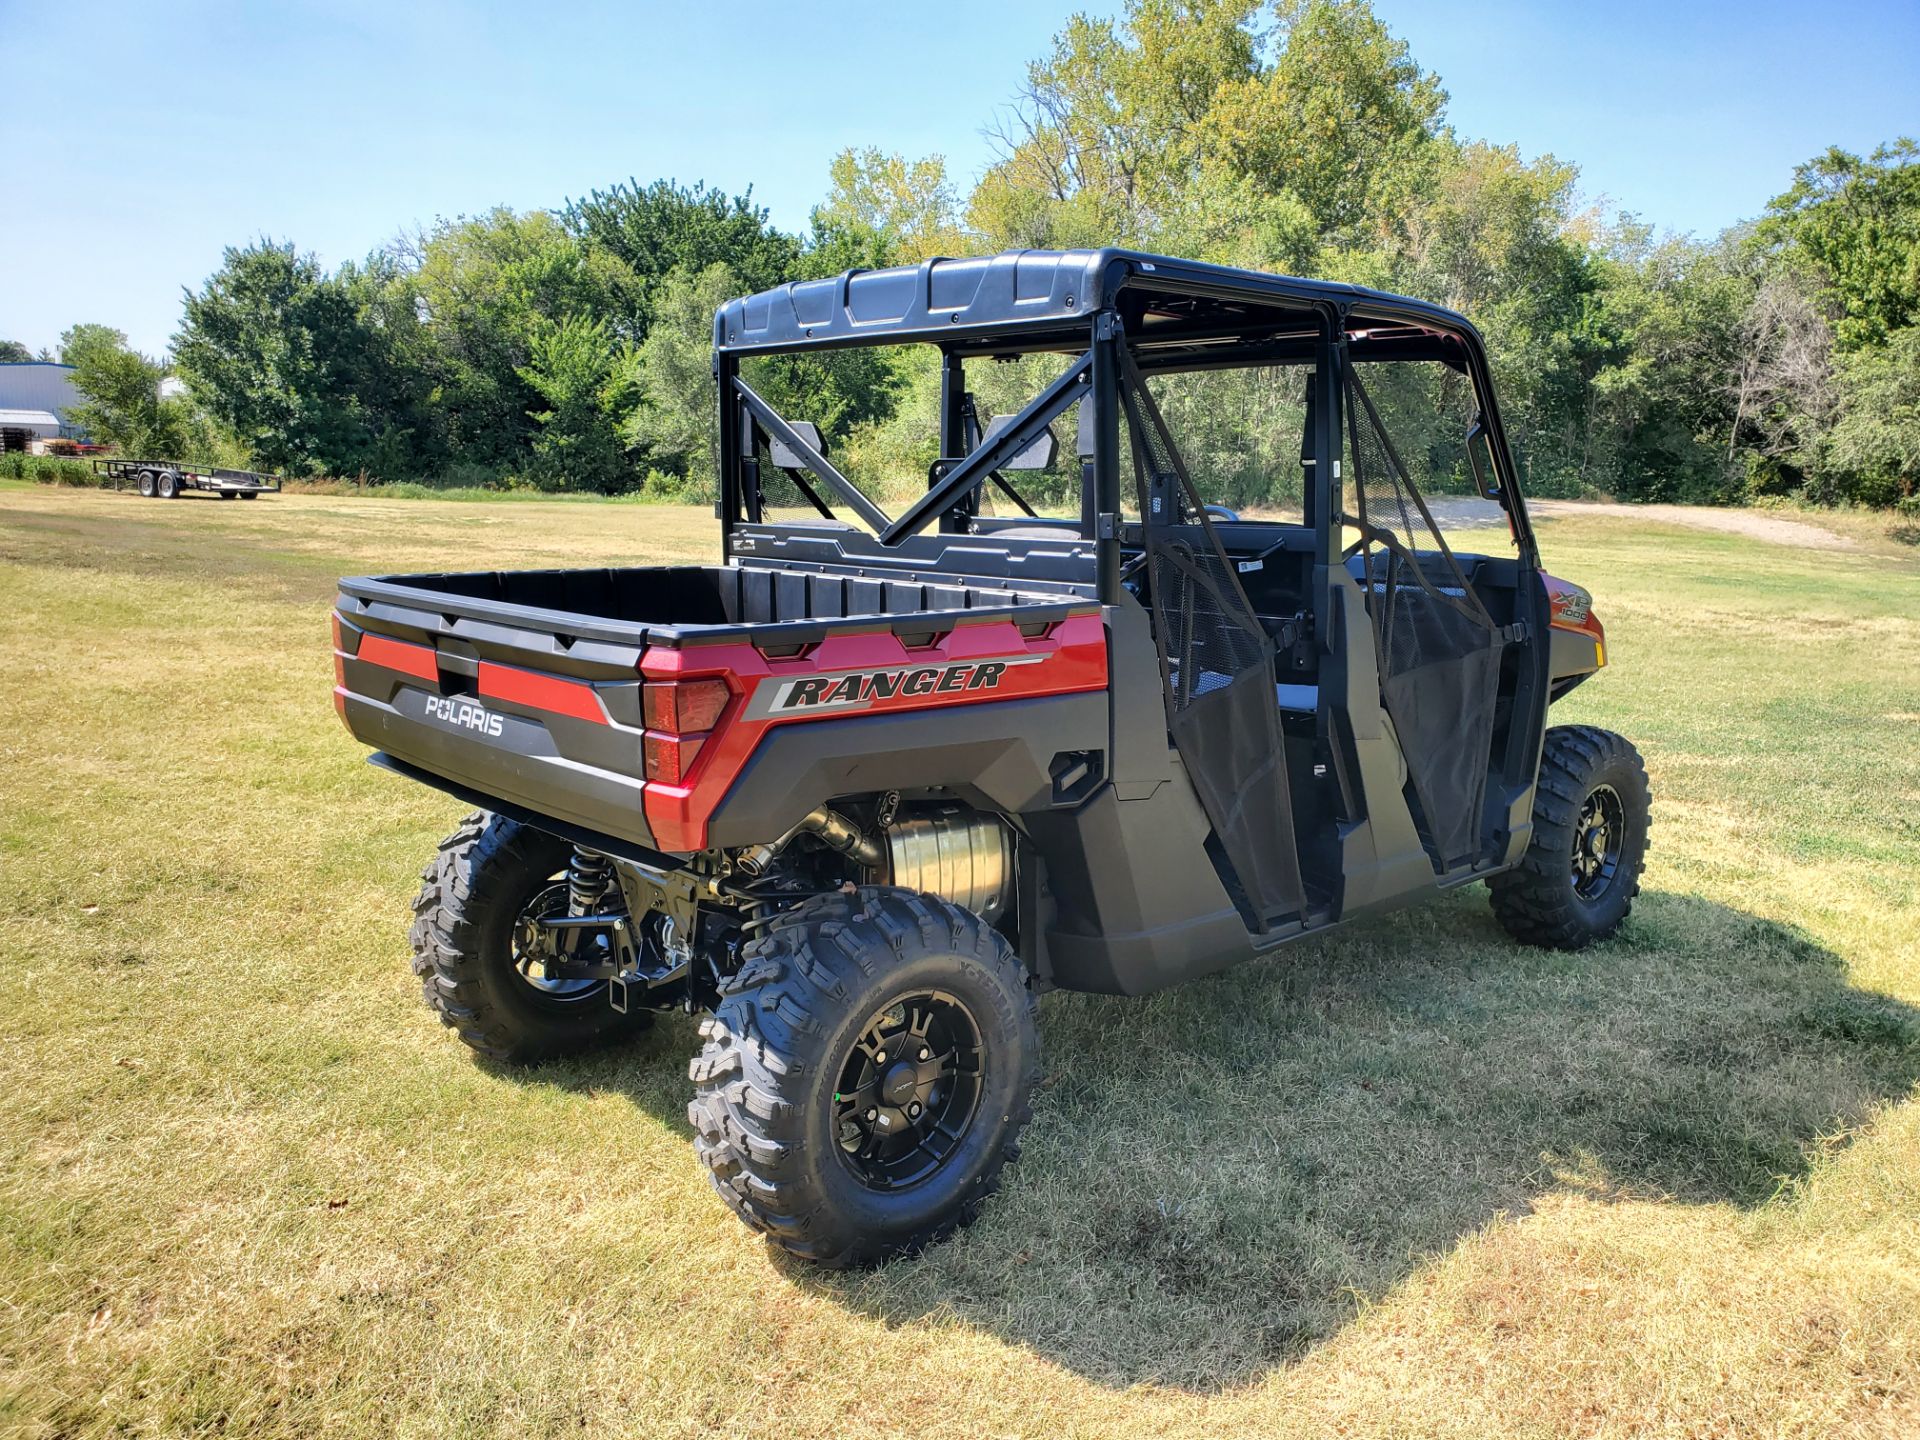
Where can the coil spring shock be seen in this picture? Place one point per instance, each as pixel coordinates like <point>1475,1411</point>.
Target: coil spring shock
<point>589,876</point>
<point>758,914</point>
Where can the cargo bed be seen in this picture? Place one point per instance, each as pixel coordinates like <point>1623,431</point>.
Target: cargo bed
<point>531,687</point>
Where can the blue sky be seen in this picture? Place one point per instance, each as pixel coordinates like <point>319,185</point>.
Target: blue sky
<point>140,138</point>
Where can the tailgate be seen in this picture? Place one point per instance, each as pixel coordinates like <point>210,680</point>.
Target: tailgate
<point>548,722</point>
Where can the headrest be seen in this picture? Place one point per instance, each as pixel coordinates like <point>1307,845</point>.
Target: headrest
<point>1037,456</point>
<point>783,456</point>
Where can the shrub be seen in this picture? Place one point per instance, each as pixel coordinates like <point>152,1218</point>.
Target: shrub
<point>47,469</point>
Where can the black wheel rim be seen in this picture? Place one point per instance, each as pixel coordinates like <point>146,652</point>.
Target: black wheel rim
<point>1599,836</point>
<point>909,1090</point>
<point>533,948</point>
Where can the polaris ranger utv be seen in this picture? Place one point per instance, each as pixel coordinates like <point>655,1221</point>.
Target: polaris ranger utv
<point>864,788</point>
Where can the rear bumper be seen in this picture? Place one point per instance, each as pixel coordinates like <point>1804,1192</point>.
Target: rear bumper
<point>522,767</point>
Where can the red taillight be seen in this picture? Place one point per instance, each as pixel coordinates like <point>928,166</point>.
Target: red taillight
<point>678,714</point>
<point>683,707</point>
<point>670,757</point>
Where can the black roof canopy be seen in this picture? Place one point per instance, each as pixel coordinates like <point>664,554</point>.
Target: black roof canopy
<point>1028,300</point>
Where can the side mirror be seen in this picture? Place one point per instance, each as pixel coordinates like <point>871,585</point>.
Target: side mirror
<point>783,457</point>
<point>1037,456</point>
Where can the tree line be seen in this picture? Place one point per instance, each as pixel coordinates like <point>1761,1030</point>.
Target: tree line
<point>569,349</point>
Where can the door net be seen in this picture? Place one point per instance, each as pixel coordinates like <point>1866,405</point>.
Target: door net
<point>1217,665</point>
<point>1438,648</point>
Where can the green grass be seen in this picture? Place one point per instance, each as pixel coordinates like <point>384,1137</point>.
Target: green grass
<point>1405,1180</point>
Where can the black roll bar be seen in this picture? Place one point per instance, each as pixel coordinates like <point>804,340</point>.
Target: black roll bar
<point>1024,430</point>
<point>770,421</point>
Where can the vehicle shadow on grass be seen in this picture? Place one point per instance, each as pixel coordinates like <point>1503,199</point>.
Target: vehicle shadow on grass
<point>1218,1176</point>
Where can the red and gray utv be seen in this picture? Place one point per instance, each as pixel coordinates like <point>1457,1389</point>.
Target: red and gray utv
<point>864,788</point>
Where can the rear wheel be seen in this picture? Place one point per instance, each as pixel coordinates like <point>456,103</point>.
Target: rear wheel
<point>866,1075</point>
<point>249,494</point>
<point>475,946</point>
<point>147,483</point>
<point>1576,883</point>
<point>168,485</point>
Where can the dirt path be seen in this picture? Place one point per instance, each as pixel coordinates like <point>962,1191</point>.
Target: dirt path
<point>1755,524</point>
<point>1466,513</point>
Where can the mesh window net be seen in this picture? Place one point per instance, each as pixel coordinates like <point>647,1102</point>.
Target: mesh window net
<point>1438,648</point>
<point>1217,664</point>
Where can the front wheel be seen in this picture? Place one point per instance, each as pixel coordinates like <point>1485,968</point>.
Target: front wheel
<point>1591,808</point>
<point>866,1075</point>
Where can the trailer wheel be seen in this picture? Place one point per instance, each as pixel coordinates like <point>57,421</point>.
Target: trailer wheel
<point>226,495</point>
<point>147,482</point>
<point>491,877</point>
<point>249,494</point>
<point>866,1075</point>
<point>168,485</point>
<point>1575,884</point>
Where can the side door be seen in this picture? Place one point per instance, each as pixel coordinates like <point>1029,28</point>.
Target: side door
<point>1448,594</point>
<point>1218,665</point>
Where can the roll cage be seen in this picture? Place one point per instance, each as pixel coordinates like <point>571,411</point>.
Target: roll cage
<point>1107,311</point>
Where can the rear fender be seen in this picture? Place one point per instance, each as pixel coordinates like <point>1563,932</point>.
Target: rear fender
<point>986,706</point>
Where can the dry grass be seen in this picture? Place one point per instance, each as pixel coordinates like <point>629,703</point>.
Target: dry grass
<point>1406,1180</point>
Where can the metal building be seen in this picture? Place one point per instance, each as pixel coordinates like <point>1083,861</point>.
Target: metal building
<point>37,398</point>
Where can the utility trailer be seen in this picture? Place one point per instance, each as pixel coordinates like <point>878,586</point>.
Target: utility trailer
<point>170,479</point>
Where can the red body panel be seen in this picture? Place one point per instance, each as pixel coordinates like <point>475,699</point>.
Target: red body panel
<point>541,692</point>
<point>1070,657</point>
<point>1570,610</point>
<point>414,660</point>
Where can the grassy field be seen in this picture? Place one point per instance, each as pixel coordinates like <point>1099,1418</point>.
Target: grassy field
<point>1406,1180</point>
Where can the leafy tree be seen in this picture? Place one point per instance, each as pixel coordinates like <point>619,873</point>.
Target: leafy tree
<point>1343,118</point>
<point>653,230</point>
<point>12,352</point>
<point>1104,139</point>
<point>586,383</point>
<point>674,422</point>
<point>486,289</point>
<point>1856,224</point>
<point>123,407</point>
<point>884,210</point>
<point>1657,338</point>
<point>79,343</point>
<point>1872,453</point>
<point>277,351</point>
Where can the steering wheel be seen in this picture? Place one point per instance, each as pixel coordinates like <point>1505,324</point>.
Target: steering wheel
<point>1220,512</point>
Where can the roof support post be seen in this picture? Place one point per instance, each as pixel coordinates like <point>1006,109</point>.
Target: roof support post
<point>1100,508</point>
<point>727,505</point>
<point>953,424</point>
